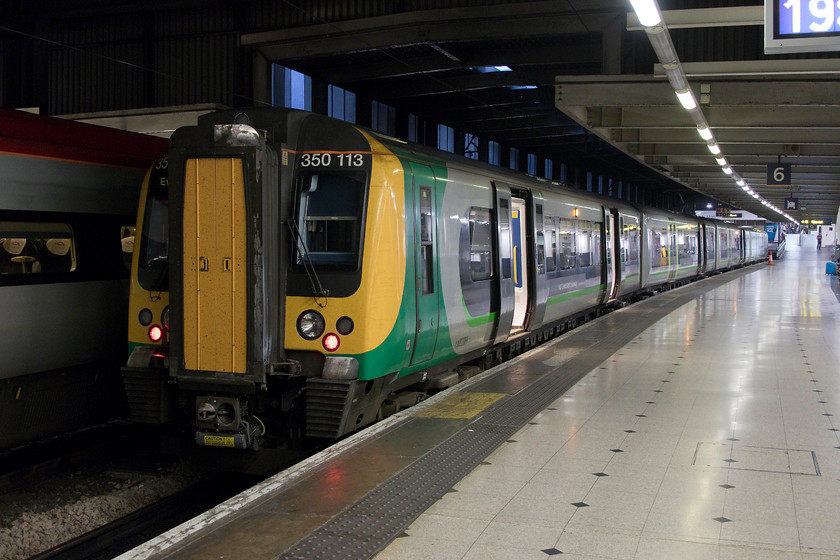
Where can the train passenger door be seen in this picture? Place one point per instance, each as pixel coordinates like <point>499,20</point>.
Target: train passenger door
<point>427,285</point>
<point>214,274</point>
<point>505,246</point>
<point>518,228</point>
<point>610,257</point>
<point>673,254</point>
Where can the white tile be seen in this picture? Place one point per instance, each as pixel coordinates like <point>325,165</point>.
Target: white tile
<point>651,548</point>
<point>548,513</point>
<point>602,543</point>
<point>759,533</point>
<point>697,526</point>
<point>469,505</point>
<point>447,528</point>
<point>499,552</point>
<point>416,548</point>
<point>519,535</point>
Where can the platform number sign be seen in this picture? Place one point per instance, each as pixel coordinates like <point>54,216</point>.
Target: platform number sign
<point>791,204</point>
<point>808,16</point>
<point>778,175</point>
<point>801,25</point>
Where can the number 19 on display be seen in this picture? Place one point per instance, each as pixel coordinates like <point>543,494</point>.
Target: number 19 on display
<point>808,16</point>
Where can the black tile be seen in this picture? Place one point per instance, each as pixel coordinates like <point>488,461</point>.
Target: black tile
<point>641,415</point>
<point>580,504</point>
<point>650,402</point>
<point>722,519</point>
<point>732,439</point>
<point>600,474</point>
<point>552,551</point>
<point>617,450</point>
<point>727,486</point>
<point>657,391</point>
<point>630,431</point>
<point>512,441</point>
<point>730,460</point>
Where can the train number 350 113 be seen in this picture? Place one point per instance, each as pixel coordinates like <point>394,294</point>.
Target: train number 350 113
<point>327,159</point>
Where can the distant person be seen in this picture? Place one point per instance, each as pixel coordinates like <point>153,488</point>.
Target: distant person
<point>819,241</point>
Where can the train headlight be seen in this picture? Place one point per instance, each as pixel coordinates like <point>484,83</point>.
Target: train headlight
<point>331,342</point>
<point>164,318</point>
<point>310,324</point>
<point>344,326</point>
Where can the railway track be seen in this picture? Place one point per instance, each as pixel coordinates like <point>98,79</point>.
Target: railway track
<point>125,533</point>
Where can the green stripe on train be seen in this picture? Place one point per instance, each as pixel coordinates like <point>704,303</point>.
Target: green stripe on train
<point>576,294</point>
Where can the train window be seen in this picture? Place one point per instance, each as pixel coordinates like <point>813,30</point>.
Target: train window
<point>568,246</point>
<point>330,219</point>
<point>153,267</point>
<point>481,244</point>
<point>426,240</point>
<point>35,247</point>
<point>504,237</point>
<point>127,244</point>
<point>584,243</point>
<point>540,241</point>
<point>551,232</point>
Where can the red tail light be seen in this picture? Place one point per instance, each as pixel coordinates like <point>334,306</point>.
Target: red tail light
<point>331,342</point>
<point>155,333</point>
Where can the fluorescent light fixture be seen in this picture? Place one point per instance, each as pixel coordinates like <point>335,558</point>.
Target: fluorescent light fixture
<point>488,69</point>
<point>709,205</point>
<point>686,99</point>
<point>705,132</point>
<point>714,148</point>
<point>745,187</point>
<point>721,161</point>
<point>741,183</point>
<point>754,195</point>
<point>727,170</point>
<point>647,12</point>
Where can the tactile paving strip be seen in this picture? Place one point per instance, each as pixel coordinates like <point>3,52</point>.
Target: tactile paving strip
<point>377,518</point>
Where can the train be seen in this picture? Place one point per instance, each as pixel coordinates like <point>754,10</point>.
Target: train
<point>302,277</point>
<point>68,202</point>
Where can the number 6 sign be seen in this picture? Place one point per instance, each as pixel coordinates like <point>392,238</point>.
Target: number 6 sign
<point>778,175</point>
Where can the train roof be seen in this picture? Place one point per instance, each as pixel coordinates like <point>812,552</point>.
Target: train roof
<point>32,135</point>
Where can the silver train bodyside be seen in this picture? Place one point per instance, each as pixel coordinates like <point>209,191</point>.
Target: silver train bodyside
<point>67,193</point>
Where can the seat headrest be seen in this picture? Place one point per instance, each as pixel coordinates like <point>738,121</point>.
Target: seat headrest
<point>14,245</point>
<point>58,247</point>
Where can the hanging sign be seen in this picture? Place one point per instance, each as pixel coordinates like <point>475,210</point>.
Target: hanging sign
<point>778,175</point>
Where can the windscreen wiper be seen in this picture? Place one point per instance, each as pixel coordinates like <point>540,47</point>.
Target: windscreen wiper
<point>318,290</point>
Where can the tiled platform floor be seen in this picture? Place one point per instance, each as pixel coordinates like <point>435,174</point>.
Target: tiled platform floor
<point>713,435</point>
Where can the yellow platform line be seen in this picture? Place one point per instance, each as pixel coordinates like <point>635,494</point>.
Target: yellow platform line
<point>461,405</point>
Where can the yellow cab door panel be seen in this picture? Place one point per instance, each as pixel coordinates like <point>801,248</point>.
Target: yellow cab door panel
<point>215,275</point>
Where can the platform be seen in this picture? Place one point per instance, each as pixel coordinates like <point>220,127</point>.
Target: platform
<point>700,423</point>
